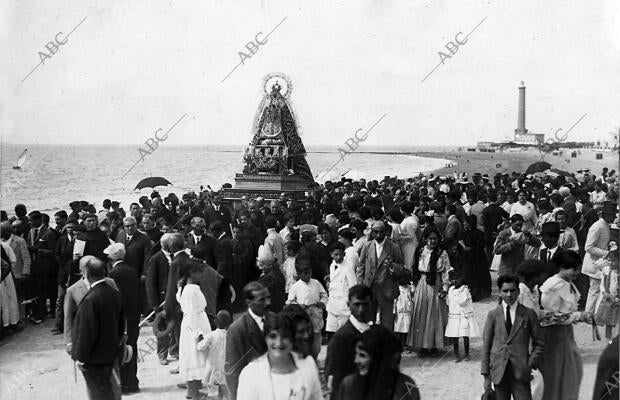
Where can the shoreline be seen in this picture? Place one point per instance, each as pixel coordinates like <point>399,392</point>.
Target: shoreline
<point>487,163</point>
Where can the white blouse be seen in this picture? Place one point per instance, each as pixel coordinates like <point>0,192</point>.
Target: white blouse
<point>258,382</point>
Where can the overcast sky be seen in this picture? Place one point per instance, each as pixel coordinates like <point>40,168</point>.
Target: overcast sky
<point>133,67</point>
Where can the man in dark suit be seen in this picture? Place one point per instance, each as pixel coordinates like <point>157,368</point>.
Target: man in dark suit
<point>218,212</point>
<point>42,245</point>
<point>64,258</point>
<point>156,284</point>
<point>127,280</point>
<point>224,264</point>
<point>96,240</point>
<point>200,243</point>
<point>380,268</point>
<point>511,243</point>
<point>506,358</point>
<point>550,236</point>
<point>245,339</point>
<point>341,348</point>
<point>492,217</point>
<point>96,334</point>
<point>137,254</point>
<point>180,261</point>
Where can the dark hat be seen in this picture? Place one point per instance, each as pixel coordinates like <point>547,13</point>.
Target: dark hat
<point>84,203</point>
<point>161,326</point>
<point>551,228</point>
<point>74,204</point>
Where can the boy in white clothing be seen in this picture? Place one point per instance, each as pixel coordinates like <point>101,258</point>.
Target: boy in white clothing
<point>291,249</point>
<point>310,294</point>
<point>341,279</point>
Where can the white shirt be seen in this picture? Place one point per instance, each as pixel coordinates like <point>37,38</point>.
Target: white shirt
<point>259,320</point>
<point>360,326</point>
<point>513,309</point>
<point>167,255</point>
<point>379,248</point>
<point>196,237</point>
<point>96,283</point>
<point>307,293</point>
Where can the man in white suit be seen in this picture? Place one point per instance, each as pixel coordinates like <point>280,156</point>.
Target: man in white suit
<point>596,248</point>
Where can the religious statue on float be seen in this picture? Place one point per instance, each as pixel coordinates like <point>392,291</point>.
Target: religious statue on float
<point>276,147</point>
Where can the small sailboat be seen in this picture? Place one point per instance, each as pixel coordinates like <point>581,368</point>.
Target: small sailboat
<point>21,160</point>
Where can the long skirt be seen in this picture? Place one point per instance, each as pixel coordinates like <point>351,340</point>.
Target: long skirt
<point>562,368</point>
<point>428,318</point>
<point>9,308</point>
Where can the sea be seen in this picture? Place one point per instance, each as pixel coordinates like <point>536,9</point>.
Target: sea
<point>54,175</point>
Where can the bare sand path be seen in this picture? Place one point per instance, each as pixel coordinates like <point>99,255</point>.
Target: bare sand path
<point>34,365</point>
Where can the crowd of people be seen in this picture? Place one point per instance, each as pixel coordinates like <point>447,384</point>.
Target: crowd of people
<point>243,295</point>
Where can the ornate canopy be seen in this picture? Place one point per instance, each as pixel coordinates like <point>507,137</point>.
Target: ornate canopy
<point>276,146</point>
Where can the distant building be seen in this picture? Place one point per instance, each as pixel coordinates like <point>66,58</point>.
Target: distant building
<point>522,136</point>
<point>484,145</point>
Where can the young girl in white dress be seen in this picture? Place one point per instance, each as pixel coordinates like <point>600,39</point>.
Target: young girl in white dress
<point>402,309</point>
<point>461,322</point>
<point>194,326</point>
<point>214,344</point>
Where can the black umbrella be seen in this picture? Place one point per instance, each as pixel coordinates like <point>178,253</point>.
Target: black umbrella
<point>539,166</point>
<point>152,182</point>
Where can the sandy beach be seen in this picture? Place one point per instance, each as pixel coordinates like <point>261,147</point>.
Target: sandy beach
<point>471,162</point>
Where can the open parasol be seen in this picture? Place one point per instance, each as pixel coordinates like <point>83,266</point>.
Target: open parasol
<point>152,182</point>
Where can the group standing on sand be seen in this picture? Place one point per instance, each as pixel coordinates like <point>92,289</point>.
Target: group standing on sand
<point>370,268</point>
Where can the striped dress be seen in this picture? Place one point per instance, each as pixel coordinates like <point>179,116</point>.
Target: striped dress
<point>430,314</point>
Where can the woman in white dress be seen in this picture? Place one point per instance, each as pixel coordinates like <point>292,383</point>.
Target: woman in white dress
<point>562,367</point>
<point>194,326</point>
<point>280,374</point>
<point>526,209</point>
<point>408,233</point>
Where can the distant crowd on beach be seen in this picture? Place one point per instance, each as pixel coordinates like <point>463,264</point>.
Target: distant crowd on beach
<point>244,296</point>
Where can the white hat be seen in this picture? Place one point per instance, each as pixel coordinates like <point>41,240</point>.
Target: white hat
<point>115,251</point>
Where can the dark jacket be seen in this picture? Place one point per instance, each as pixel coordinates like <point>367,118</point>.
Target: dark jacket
<point>137,250</point>
<point>157,279</point>
<point>96,242</point>
<point>128,283</point>
<point>64,258</point>
<point>499,346</point>
<point>224,257</point>
<point>178,265</point>
<point>97,328</point>
<point>244,342</point>
<point>340,355</point>
<point>204,250</point>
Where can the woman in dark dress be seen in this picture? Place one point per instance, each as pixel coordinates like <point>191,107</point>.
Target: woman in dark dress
<point>475,265</point>
<point>377,358</point>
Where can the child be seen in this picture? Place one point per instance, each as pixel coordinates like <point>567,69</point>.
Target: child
<point>461,322</point>
<point>310,294</point>
<point>402,309</point>
<point>214,343</point>
<point>288,267</point>
<point>608,302</point>
<point>341,279</point>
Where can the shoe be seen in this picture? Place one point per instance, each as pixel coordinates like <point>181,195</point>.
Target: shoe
<point>175,371</point>
<point>466,358</point>
<point>182,385</point>
<point>35,320</point>
<point>458,359</point>
<point>173,357</point>
<point>127,391</point>
<point>56,331</point>
<point>163,361</point>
